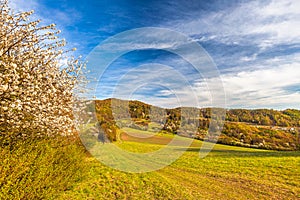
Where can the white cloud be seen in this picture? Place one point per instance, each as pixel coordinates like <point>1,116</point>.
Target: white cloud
<point>249,58</point>
<point>282,8</point>
<point>21,6</point>
<point>145,38</point>
<point>263,87</point>
<point>259,88</point>
<point>271,23</point>
<point>255,80</point>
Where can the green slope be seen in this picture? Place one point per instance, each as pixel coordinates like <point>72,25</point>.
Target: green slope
<point>226,173</point>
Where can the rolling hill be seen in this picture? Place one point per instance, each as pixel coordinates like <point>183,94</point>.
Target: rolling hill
<point>260,128</point>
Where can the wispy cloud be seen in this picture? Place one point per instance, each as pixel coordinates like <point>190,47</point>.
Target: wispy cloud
<point>21,6</point>
<point>263,88</point>
<point>270,23</point>
<point>256,46</point>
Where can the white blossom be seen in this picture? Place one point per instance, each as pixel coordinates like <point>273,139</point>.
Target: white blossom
<point>35,93</point>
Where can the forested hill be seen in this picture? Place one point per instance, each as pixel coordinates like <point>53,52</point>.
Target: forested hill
<point>259,128</point>
<point>285,118</point>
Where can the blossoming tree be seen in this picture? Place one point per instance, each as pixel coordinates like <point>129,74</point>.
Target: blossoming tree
<point>36,91</point>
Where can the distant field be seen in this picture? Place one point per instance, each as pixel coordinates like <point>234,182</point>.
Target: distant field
<point>226,173</point>
<point>143,136</point>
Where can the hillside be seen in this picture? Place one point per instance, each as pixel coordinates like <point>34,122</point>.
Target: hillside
<point>260,128</point>
<point>228,172</point>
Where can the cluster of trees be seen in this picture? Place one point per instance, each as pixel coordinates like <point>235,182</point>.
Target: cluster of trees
<point>252,128</point>
<point>271,117</point>
<point>106,120</point>
<point>242,134</point>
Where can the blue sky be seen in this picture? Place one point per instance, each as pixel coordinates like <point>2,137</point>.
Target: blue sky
<point>254,44</point>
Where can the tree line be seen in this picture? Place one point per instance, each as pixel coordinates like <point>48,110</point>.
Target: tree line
<point>259,128</point>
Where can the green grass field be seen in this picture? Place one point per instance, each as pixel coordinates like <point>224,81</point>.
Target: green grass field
<point>226,173</point>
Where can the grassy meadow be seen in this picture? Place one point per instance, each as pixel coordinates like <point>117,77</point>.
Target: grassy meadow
<point>226,173</point>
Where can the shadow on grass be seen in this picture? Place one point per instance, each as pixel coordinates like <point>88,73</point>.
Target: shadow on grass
<point>244,153</point>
